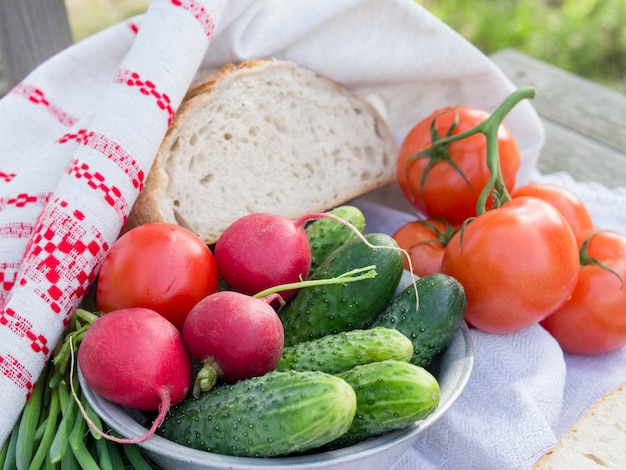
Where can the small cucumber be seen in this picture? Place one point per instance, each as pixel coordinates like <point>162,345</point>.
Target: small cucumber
<point>326,235</point>
<point>276,414</point>
<point>322,310</point>
<point>442,305</point>
<point>390,395</point>
<point>342,351</point>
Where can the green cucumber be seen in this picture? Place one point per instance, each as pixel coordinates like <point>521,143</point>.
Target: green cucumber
<point>326,235</point>
<point>322,310</point>
<point>276,414</point>
<point>342,351</point>
<point>441,311</point>
<point>390,395</point>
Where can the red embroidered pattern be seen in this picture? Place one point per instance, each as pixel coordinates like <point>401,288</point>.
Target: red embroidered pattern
<point>96,180</point>
<point>24,329</point>
<point>110,150</point>
<point>35,95</point>
<point>133,26</point>
<point>8,274</point>
<point>23,199</point>
<point>16,230</point>
<point>15,371</point>
<point>200,14</point>
<point>6,177</point>
<point>61,257</point>
<point>147,88</point>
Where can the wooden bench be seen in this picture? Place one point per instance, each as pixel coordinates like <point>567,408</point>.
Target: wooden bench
<point>31,31</point>
<point>584,121</point>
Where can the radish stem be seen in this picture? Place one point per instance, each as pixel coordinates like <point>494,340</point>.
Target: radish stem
<point>302,220</point>
<point>206,377</point>
<point>367,272</point>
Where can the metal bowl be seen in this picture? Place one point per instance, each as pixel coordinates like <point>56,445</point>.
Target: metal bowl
<point>452,369</point>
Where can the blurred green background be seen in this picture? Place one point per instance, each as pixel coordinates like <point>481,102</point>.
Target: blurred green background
<point>586,37</point>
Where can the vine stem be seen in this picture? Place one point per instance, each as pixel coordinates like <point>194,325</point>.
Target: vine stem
<point>489,127</point>
<point>586,259</point>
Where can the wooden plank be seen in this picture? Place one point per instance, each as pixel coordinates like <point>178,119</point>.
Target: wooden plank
<point>583,158</point>
<point>31,31</point>
<point>582,119</point>
<point>572,101</point>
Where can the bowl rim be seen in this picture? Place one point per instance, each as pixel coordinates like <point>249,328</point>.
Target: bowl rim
<point>458,368</point>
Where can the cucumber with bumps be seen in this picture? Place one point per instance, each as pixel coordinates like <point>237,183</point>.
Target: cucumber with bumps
<point>342,351</point>
<point>390,395</point>
<point>326,235</point>
<point>322,310</point>
<point>276,414</point>
<point>441,311</point>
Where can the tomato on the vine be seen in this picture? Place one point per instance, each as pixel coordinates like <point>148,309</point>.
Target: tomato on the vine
<point>160,266</point>
<point>446,181</point>
<point>570,205</point>
<point>593,320</point>
<point>424,241</point>
<point>518,264</point>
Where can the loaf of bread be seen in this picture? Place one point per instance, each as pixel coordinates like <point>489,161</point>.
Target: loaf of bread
<point>597,440</point>
<point>264,136</point>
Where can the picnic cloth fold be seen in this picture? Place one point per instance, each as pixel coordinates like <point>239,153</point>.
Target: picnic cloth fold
<point>78,136</point>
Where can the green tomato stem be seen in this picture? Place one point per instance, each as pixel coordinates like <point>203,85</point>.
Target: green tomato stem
<point>586,259</point>
<point>489,127</point>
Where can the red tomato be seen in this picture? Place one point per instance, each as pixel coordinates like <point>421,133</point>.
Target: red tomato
<point>424,240</point>
<point>518,264</point>
<point>593,320</point>
<point>433,185</point>
<point>564,200</point>
<point>163,267</point>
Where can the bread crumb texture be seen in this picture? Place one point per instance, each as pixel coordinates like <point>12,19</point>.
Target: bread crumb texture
<point>596,441</point>
<point>267,136</point>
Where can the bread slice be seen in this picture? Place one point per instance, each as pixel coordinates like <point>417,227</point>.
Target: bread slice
<point>264,136</point>
<point>596,441</point>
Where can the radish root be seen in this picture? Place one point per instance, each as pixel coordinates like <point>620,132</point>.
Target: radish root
<point>164,394</point>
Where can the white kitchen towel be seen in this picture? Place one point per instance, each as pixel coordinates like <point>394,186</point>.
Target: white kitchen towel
<point>78,135</point>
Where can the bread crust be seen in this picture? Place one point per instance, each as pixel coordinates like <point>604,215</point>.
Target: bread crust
<point>154,204</point>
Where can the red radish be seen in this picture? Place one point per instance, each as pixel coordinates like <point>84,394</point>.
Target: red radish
<point>135,357</point>
<point>261,250</point>
<point>234,335</point>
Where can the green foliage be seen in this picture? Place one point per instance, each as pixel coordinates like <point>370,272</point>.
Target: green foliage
<point>586,37</point>
<point>87,17</point>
